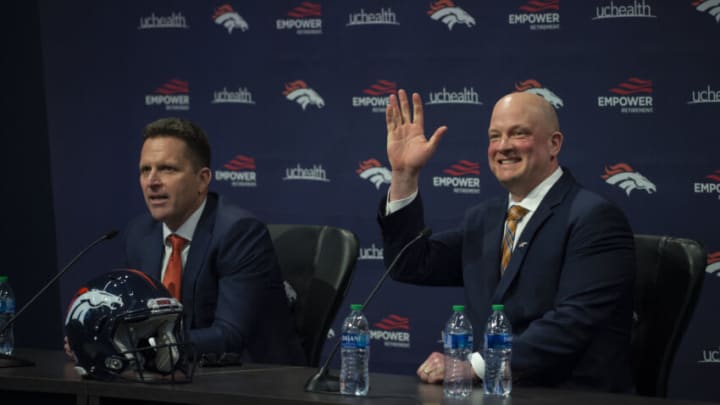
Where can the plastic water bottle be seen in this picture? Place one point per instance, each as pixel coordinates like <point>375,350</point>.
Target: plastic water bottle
<point>7,310</point>
<point>498,349</point>
<point>355,353</point>
<point>458,344</point>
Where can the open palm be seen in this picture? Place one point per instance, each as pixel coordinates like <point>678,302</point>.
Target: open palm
<point>407,147</point>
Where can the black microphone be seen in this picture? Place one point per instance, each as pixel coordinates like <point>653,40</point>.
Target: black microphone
<point>322,381</point>
<point>12,361</point>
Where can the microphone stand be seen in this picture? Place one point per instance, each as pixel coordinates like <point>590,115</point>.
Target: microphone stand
<point>7,360</point>
<point>322,380</point>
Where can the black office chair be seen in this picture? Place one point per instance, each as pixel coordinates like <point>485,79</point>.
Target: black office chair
<point>669,276</point>
<point>317,262</point>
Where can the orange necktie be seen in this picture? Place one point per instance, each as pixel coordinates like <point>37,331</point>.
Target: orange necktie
<point>173,271</point>
<point>515,214</point>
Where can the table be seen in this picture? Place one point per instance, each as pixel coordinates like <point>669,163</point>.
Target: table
<point>53,381</point>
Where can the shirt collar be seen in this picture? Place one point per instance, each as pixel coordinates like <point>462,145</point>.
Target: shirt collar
<point>187,229</point>
<point>535,197</point>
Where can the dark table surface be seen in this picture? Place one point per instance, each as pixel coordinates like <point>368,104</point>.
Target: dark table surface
<point>267,384</point>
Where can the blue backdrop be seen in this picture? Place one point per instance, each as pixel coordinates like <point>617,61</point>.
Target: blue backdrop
<point>292,95</point>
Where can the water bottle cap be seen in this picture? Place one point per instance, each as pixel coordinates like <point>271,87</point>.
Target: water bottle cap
<point>498,307</point>
<point>458,308</point>
<point>356,307</point>
<point>3,279</point>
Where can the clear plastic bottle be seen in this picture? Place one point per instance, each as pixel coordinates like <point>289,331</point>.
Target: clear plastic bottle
<point>7,310</point>
<point>498,350</point>
<point>458,344</point>
<point>355,353</point>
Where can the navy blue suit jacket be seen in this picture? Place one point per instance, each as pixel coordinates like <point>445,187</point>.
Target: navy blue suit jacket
<point>232,290</point>
<point>568,289</point>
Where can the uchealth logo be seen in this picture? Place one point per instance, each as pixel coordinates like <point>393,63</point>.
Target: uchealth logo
<point>537,15</point>
<point>711,7</point>
<point>449,14</point>
<point>376,96</point>
<point>705,96</point>
<point>240,96</point>
<point>239,172</point>
<point>174,21</point>
<point>174,95</point>
<point>462,177</point>
<point>305,19</point>
<point>706,187</point>
<point>629,96</point>
<point>468,95</point>
<point>393,331</point>
<point>623,9</point>
<point>314,173</point>
<point>299,92</point>
<point>713,263</point>
<point>623,176</point>
<point>225,16</point>
<point>385,16</point>
<point>371,252</point>
<point>534,86</point>
<point>374,172</point>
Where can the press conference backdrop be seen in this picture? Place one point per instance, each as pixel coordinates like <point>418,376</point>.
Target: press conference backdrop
<point>292,94</point>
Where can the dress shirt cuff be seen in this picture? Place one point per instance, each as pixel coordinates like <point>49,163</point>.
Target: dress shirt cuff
<point>478,364</point>
<point>397,205</point>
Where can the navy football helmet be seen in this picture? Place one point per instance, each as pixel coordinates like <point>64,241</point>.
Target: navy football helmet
<point>125,324</point>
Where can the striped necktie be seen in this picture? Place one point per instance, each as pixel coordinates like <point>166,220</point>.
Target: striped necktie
<point>515,214</point>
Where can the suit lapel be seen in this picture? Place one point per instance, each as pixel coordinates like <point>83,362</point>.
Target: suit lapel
<point>196,256</point>
<point>152,256</point>
<point>493,237</point>
<point>545,210</point>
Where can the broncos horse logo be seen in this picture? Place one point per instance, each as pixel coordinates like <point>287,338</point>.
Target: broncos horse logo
<point>228,18</point>
<point>626,178</point>
<point>299,92</point>
<point>713,263</point>
<point>90,299</point>
<point>448,13</point>
<point>534,87</point>
<point>373,171</point>
<point>712,7</point>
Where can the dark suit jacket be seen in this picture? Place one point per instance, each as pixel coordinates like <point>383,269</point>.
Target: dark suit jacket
<point>232,290</point>
<point>568,289</point>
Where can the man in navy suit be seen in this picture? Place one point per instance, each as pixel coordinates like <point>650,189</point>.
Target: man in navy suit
<point>568,285</point>
<point>230,283</point>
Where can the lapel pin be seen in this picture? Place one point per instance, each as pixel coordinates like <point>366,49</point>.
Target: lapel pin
<point>522,244</point>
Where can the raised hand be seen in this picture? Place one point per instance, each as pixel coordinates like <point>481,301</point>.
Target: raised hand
<point>407,147</point>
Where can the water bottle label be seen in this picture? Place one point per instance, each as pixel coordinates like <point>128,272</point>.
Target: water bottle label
<point>458,341</point>
<point>498,341</point>
<point>354,341</point>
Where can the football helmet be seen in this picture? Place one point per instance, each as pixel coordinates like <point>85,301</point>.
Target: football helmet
<point>125,324</point>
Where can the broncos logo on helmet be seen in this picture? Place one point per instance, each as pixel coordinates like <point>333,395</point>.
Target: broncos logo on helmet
<point>92,299</point>
<point>626,178</point>
<point>448,13</point>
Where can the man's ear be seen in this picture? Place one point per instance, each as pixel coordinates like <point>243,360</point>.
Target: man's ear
<point>556,140</point>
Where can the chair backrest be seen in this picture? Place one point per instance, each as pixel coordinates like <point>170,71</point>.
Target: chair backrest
<point>317,261</point>
<point>669,276</point>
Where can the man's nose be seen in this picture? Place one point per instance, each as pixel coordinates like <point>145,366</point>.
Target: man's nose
<point>504,143</point>
<point>154,178</point>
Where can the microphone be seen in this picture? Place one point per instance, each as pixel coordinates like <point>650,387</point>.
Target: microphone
<point>12,361</point>
<point>322,381</point>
